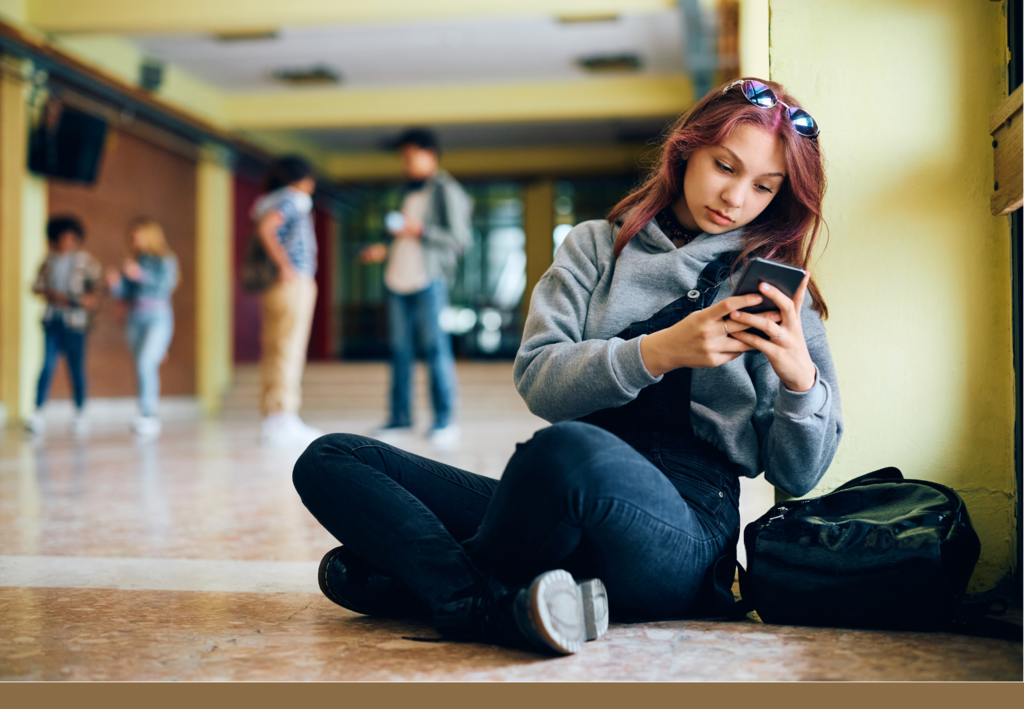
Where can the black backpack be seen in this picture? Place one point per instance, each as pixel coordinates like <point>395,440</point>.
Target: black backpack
<point>879,552</point>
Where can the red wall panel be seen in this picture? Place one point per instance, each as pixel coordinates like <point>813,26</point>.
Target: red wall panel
<point>136,178</point>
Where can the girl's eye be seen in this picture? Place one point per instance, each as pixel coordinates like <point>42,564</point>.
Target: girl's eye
<point>763,189</point>
<point>723,167</point>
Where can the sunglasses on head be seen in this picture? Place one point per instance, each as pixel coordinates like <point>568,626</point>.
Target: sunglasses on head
<point>760,94</point>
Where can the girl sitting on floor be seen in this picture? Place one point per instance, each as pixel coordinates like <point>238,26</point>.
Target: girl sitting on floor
<point>660,395</point>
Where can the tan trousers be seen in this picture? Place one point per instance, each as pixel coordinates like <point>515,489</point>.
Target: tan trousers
<point>286,313</point>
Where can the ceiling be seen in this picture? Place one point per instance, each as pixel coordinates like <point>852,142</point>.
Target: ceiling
<point>445,52</point>
<point>450,52</point>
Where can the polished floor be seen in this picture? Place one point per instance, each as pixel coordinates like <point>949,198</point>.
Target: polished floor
<point>191,558</point>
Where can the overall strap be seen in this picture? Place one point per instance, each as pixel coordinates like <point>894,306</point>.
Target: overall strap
<point>712,277</point>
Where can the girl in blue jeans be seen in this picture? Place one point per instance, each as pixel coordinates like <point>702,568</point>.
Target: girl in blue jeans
<point>146,281</point>
<point>662,392</point>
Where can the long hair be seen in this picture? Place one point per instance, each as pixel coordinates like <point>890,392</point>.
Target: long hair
<point>788,227</point>
<point>151,234</point>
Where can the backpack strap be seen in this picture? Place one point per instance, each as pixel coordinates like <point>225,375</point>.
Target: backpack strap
<point>889,473</point>
<point>725,603</point>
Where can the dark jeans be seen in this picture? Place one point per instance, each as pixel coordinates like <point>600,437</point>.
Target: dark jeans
<point>575,497</point>
<point>58,339</point>
<point>415,318</point>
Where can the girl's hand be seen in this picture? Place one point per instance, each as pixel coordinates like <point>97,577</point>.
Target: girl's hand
<point>89,301</point>
<point>786,350</point>
<point>701,339</point>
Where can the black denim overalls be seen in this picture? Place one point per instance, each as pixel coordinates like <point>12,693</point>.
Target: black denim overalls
<point>657,423</point>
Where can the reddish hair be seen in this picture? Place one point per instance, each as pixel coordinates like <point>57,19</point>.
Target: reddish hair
<point>788,227</point>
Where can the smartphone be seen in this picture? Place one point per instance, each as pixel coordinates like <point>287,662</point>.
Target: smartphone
<point>786,278</point>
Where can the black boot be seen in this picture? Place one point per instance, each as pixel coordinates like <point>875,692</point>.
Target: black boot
<point>352,583</point>
<point>551,614</point>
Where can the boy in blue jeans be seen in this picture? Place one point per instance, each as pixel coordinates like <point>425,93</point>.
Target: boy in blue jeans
<point>69,280</point>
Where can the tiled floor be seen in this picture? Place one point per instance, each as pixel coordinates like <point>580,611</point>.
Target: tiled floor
<point>192,558</point>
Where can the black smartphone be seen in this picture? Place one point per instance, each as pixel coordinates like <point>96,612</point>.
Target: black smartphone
<point>786,278</point>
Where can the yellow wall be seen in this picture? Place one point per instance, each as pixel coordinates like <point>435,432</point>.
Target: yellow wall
<point>502,162</point>
<point>14,10</point>
<point>754,38</point>
<point>34,209</point>
<point>917,272</point>
<point>23,206</point>
<point>593,97</point>
<point>214,280</point>
<point>121,58</point>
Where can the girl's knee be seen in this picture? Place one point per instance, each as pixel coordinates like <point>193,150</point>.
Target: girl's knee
<point>573,438</point>
<point>327,455</point>
<point>566,454</point>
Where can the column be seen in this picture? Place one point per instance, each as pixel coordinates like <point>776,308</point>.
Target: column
<point>214,278</point>
<point>538,223</point>
<point>23,209</point>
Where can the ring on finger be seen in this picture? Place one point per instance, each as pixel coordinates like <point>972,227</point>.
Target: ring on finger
<point>725,324</point>
<point>779,335</point>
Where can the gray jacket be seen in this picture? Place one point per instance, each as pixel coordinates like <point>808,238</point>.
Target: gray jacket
<point>447,225</point>
<point>571,364</point>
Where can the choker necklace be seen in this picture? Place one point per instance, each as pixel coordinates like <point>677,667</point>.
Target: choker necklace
<point>674,230</point>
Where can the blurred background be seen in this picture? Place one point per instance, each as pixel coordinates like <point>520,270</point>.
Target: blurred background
<point>548,112</point>
<point>545,112</point>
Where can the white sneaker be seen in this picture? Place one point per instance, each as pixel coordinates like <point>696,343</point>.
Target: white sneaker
<point>274,431</point>
<point>80,425</point>
<point>36,424</point>
<point>389,433</point>
<point>302,429</point>
<point>445,436</point>
<point>146,425</point>
<point>286,431</point>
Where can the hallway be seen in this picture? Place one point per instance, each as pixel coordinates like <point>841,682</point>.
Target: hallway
<point>191,558</point>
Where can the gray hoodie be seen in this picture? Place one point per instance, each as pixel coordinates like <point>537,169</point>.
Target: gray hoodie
<point>571,363</point>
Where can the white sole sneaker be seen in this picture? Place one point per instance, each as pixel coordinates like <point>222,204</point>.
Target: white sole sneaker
<point>595,607</point>
<point>564,614</point>
<point>145,426</point>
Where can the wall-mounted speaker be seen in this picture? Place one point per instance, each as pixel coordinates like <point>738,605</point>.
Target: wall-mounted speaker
<point>67,144</point>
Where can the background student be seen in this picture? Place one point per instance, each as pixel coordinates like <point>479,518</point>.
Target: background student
<point>146,281</point>
<point>69,279</point>
<point>284,223</point>
<point>428,235</point>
